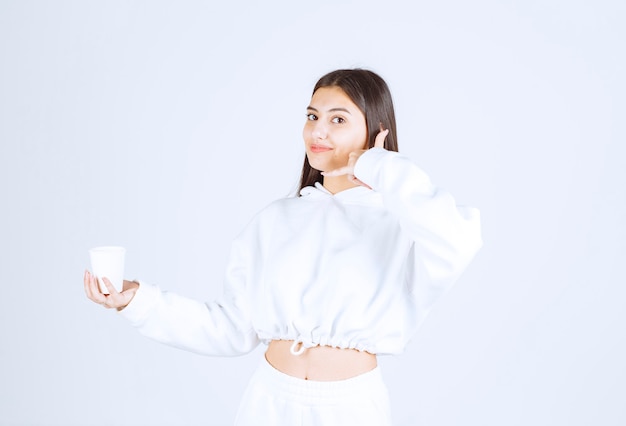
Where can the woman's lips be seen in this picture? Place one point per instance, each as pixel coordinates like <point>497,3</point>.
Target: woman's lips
<point>319,148</point>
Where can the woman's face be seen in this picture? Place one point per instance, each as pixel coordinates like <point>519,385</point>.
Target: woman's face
<point>334,128</point>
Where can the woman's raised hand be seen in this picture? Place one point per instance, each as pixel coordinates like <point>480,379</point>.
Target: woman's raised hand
<point>114,299</point>
<point>348,170</point>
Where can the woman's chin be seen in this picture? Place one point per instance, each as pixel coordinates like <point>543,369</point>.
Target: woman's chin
<point>318,165</point>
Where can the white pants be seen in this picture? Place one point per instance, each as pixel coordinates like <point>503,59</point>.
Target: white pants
<point>274,398</point>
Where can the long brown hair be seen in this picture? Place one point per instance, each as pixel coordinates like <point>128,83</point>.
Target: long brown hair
<point>370,94</point>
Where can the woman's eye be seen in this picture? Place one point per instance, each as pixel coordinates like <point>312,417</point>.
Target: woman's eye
<point>338,120</point>
<point>311,117</point>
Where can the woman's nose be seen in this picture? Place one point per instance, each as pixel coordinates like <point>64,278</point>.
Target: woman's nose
<point>319,131</point>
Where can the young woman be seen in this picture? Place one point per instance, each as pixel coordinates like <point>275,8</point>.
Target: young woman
<point>329,279</point>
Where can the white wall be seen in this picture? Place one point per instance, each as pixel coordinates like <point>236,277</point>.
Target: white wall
<point>164,126</point>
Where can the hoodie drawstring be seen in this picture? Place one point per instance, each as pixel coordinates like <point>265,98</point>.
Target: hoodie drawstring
<point>299,351</point>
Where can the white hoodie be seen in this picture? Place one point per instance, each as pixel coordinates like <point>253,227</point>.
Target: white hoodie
<point>359,269</point>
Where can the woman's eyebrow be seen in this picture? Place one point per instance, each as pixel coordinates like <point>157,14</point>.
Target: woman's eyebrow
<point>330,110</point>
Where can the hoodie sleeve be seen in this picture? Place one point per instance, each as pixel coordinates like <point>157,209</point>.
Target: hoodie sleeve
<point>446,236</point>
<point>222,327</point>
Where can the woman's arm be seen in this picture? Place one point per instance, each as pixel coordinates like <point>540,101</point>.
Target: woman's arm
<point>222,327</point>
<point>219,328</point>
<point>446,236</point>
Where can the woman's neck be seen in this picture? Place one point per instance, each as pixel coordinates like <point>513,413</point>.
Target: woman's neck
<point>335,184</point>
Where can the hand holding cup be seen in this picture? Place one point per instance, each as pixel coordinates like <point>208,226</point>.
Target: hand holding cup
<point>106,286</point>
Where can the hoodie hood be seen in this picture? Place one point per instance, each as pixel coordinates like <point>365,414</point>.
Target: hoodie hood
<point>356,195</point>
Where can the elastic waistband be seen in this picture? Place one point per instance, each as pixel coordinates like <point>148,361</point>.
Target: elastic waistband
<point>318,392</point>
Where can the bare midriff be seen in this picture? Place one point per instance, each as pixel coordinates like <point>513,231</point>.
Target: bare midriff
<point>319,363</point>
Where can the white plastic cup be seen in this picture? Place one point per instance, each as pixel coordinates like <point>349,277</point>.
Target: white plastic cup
<point>108,262</point>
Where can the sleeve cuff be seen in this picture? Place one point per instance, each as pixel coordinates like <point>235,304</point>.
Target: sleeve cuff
<point>145,298</point>
<point>389,171</point>
<point>368,163</point>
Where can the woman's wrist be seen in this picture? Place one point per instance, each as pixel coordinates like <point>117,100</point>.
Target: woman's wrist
<point>130,289</point>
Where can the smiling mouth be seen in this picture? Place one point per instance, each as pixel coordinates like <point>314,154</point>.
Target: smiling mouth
<point>319,148</point>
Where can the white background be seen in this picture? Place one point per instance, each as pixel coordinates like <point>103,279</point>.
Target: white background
<point>164,126</point>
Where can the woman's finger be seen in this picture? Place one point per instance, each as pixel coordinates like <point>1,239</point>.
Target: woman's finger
<point>117,299</point>
<point>110,287</point>
<point>93,290</point>
<point>86,284</point>
<point>379,142</point>
<point>345,170</point>
<point>109,299</point>
<point>98,297</point>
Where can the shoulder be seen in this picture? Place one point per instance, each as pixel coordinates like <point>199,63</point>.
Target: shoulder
<point>280,205</point>
<point>267,216</point>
